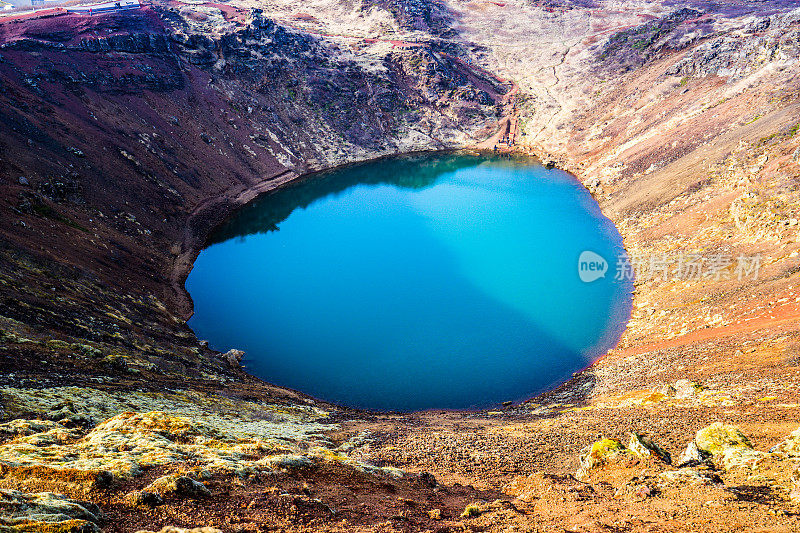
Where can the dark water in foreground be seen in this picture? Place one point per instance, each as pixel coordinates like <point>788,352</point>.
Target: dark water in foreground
<point>436,281</point>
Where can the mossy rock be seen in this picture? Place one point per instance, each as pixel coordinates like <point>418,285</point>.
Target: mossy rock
<point>718,438</point>
<point>46,512</point>
<point>471,511</point>
<point>181,486</point>
<point>790,446</point>
<point>605,447</point>
<point>598,454</point>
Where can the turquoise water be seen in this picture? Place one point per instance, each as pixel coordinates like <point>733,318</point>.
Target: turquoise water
<point>435,281</point>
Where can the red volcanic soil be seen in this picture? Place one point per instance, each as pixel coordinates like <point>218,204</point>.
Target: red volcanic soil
<point>70,28</point>
<point>749,319</point>
<point>43,13</point>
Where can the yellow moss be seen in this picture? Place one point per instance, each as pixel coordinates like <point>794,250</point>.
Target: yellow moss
<point>605,447</point>
<point>66,526</point>
<point>471,510</point>
<point>718,437</point>
<point>599,453</point>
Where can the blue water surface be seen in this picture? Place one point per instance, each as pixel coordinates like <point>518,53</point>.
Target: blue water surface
<point>433,281</point>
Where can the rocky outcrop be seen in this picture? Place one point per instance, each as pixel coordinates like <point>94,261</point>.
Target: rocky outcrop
<point>632,48</point>
<point>739,53</point>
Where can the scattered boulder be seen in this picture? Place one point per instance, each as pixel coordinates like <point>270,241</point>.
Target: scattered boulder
<point>693,456</point>
<point>428,480</point>
<point>789,447</point>
<point>644,447</point>
<point>145,498</point>
<point>728,444</point>
<point>718,437</point>
<point>472,510</point>
<point>233,357</point>
<point>668,391</point>
<point>178,485</point>
<point>686,389</point>
<point>597,454</point>
<point>794,493</point>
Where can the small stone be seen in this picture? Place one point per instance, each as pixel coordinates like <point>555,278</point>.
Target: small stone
<point>183,486</point>
<point>234,357</point>
<point>470,511</point>
<point>693,456</point>
<point>686,389</point>
<point>428,480</point>
<point>145,499</point>
<point>689,476</point>
<point>644,447</point>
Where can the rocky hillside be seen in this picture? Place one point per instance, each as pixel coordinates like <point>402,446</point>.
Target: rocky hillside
<point>126,138</point>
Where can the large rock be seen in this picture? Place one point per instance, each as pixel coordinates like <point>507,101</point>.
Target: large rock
<point>790,446</point>
<point>598,454</point>
<point>644,447</point>
<point>718,438</point>
<point>686,389</point>
<point>181,486</point>
<point>727,444</point>
<point>234,357</point>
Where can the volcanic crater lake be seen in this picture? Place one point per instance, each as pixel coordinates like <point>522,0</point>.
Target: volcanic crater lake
<point>429,281</point>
